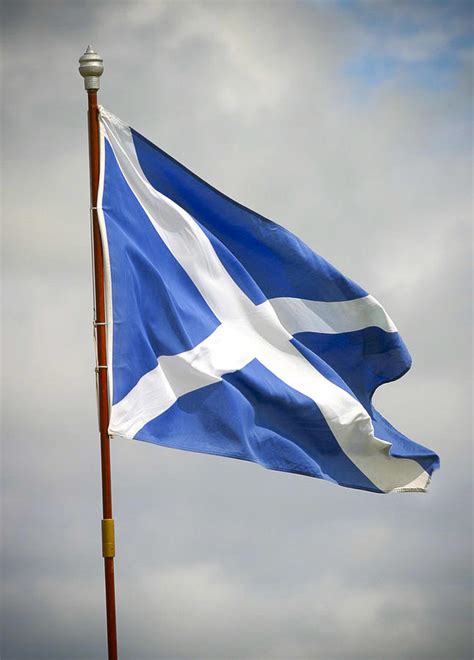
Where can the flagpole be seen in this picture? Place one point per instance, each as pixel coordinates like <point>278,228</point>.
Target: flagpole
<point>91,68</point>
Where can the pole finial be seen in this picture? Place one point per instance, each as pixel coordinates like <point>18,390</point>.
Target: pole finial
<point>91,66</point>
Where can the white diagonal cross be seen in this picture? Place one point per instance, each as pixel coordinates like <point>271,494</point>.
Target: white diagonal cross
<point>247,332</point>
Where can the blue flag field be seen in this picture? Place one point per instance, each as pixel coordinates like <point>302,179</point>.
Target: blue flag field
<point>228,335</point>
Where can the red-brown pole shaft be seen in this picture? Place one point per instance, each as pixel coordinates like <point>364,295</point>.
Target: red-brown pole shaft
<point>103,394</point>
<point>101,337</point>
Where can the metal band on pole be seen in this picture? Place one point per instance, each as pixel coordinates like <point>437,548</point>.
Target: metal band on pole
<point>91,68</point>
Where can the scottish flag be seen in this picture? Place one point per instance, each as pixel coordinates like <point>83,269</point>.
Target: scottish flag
<point>228,335</point>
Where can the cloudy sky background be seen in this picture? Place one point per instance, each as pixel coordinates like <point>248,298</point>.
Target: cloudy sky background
<point>349,124</point>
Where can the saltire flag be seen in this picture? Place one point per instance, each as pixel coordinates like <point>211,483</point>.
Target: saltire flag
<point>228,335</point>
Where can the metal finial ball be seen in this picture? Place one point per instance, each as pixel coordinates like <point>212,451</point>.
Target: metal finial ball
<point>91,66</point>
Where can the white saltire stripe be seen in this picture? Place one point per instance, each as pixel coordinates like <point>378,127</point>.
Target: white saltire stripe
<point>247,331</point>
<point>297,315</point>
<point>222,352</point>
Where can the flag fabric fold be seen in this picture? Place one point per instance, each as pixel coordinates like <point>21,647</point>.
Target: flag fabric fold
<point>228,335</point>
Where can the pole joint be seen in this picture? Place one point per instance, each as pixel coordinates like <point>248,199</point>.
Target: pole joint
<point>108,537</point>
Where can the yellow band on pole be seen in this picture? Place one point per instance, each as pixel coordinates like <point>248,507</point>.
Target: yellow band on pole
<point>108,538</point>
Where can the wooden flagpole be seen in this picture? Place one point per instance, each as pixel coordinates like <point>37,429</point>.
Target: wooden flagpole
<point>91,68</point>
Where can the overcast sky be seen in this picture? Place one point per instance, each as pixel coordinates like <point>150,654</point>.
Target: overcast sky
<point>349,124</point>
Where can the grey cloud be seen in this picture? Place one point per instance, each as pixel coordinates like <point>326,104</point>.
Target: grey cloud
<point>219,558</point>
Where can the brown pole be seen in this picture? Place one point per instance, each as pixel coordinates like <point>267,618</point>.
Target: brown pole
<point>91,68</point>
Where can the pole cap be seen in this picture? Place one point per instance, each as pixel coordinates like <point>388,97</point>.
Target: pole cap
<point>91,66</point>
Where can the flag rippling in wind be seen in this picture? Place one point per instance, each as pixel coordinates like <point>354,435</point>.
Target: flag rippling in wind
<point>227,335</point>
